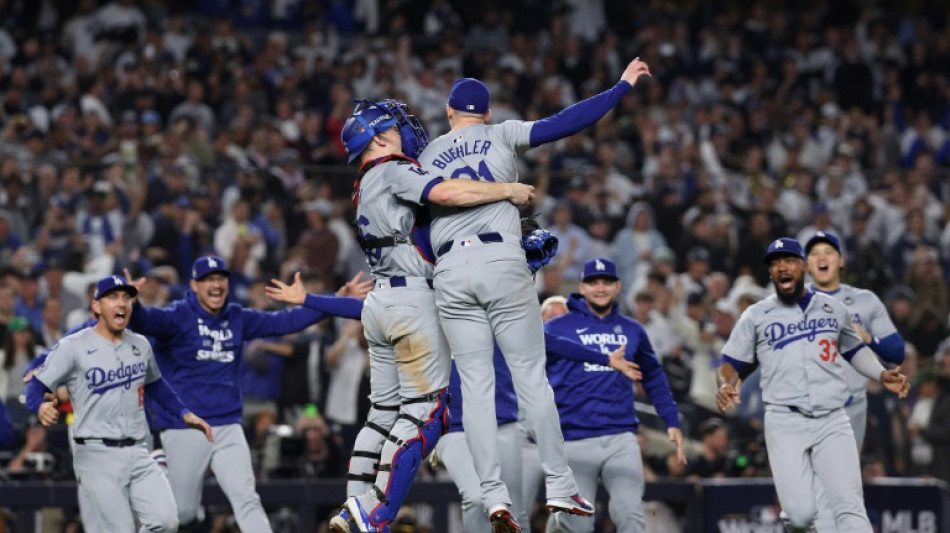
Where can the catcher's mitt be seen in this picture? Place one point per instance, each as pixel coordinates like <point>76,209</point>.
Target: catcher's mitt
<point>539,244</point>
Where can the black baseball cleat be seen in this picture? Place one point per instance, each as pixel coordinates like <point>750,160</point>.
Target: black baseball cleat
<point>502,521</point>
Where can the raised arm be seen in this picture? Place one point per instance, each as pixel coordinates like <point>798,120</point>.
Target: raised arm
<point>565,348</point>
<point>576,117</point>
<point>331,305</point>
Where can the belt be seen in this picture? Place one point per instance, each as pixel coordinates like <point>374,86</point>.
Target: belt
<point>430,397</point>
<point>111,443</point>
<point>486,238</point>
<point>850,400</point>
<point>789,409</point>
<point>401,281</point>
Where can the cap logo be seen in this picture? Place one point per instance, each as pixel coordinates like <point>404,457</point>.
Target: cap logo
<point>779,244</point>
<point>117,280</point>
<point>212,263</point>
<point>820,234</point>
<point>599,265</point>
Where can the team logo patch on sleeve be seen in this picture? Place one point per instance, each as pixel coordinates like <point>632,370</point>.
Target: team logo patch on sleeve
<point>827,308</point>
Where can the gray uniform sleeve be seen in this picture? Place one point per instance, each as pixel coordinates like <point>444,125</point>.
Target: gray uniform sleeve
<point>741,344</point>
<point>516,134</point>
<point>411,183</point>
<point>58,368</point>
<point>848,339</point>
<point>152,373</point>
<point>880,325</point>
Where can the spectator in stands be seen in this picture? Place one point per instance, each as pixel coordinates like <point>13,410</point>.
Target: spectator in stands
<point>29,302</point>
<point>36,459</point>
<point>635,244</point>
<point>929,425</point>
<point>318,240</point>
<point>19,348</point>
<point>51,331</point>
<point>711,461</point>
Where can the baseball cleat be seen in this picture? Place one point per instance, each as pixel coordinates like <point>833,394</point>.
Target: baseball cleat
<point>341,523</point>
<point>360,518</point>
<point>502,521</point>
<point>575,504</point>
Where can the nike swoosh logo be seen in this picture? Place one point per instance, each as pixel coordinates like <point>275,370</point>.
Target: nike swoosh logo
<point>582,330</point>
<point>92,351</point>
<point>769,311</point>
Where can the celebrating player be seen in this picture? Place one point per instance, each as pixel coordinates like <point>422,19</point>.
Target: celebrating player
<point>199,343</point>
<point>870,320</point>
<point>484,289</point>
<point>596,405</point>
<point>106,371</point>
<point>800,338</point>
<point>409,358</point>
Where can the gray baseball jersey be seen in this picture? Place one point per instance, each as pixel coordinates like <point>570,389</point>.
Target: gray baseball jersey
<point>869,312</point>
<point>389,195</point>
<point>106,386</point>
<point>478,152</point>
<point>485,294</point>
<point>105,382</point>
<point>799,351</point>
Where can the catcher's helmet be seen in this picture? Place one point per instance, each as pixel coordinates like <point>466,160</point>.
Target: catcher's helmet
<point>371,118</point>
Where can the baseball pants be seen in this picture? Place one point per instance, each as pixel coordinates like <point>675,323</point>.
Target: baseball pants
<point>121,484</point>
<point>801,449</point>
<point>614,460</point>
<point>86,510</point>
<point>455,455</point>
<point>858,416</point>
<point>189,454</point>
<point>485,295</point>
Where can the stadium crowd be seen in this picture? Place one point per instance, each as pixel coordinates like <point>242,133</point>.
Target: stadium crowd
<point>142,135</point>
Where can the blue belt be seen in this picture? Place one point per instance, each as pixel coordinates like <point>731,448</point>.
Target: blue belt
<point>400,281</point>
<point>486,238</point>
<point>850,400</point>
<point>794,409</point>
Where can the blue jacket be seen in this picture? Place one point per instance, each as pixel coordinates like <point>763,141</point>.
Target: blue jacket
<point>200,355</point>
<point>595,400</point>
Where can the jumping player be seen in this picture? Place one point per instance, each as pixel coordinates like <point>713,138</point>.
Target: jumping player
<point>871,322</point>
<point>484,289</point>
<point>199,340</point>
<point>596,405</point>
<point>106,371</point>
<point>800,338</point>
<point>409,358</point>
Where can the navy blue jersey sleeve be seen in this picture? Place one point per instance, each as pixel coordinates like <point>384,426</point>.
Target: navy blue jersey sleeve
<point>890,348</point>
<point>6,427</point>
<point>335,305</point>
<point>35,389</point>
<point>574,118</point>
<point>558,346</point>
<point>655,383</point>
<point>165,396</point>
<point>272,323</point>
<point>153,322</point>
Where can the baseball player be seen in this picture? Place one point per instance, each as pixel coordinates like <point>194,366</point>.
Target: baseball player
<point>409,358</point>
<point>107,370</point>
<point>484,289</point>
<point>453,450</point>
<point>199,344</point>
<point>871,322</point>
<point>596,405</point>
<point>802,340</point>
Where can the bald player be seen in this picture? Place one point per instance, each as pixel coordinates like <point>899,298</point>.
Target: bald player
<point>803,340</point>
<point>484,289</point>
<point>871,322</point>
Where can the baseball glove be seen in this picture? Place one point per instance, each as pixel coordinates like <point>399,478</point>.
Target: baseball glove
<point>539,245</point>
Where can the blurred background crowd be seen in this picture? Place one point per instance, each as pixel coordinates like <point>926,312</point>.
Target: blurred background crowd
<point>142,134</point>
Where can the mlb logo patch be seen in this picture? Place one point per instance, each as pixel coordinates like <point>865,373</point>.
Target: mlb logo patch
<point>466,242</point>
<point>470,107</point>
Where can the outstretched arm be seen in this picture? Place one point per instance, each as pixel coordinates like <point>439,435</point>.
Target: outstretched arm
<point>567,349</point>
<point>331,305</point>
<point>586,112</point>
<point>467,193</point>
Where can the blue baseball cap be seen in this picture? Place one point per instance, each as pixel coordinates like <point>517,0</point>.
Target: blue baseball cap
<point>826,237</point>
<point>112,283</point>
<point>599,267</point>
<point>469,95</point>
<point>782,247</point>
<point>208,264</point>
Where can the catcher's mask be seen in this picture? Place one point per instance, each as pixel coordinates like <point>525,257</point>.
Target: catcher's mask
<point>371,118</point>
